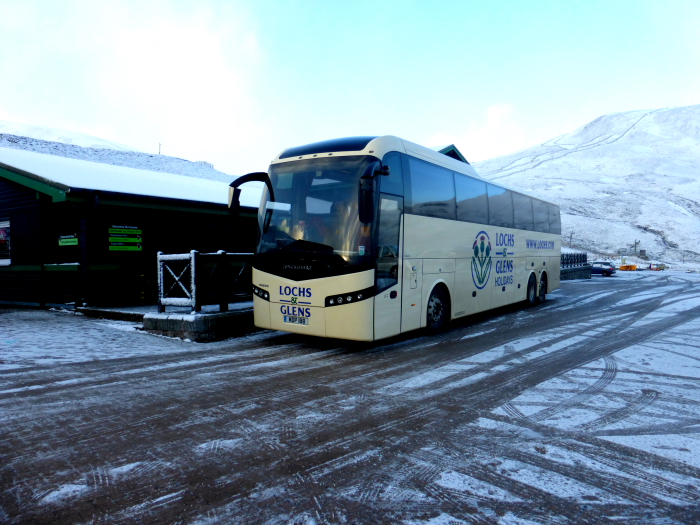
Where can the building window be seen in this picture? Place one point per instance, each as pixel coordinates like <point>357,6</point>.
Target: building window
<point>4,243</point>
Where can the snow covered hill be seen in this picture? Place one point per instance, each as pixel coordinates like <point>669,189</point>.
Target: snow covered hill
<point>73,145</point>
<point>58,135</point>
<point>620,178</point>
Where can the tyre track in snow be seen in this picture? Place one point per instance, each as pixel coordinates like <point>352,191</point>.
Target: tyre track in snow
<point>648,397</point>
<point>609,373</point>
<point>597,479</point>
<point>391,425</point>
<point>635,471</point>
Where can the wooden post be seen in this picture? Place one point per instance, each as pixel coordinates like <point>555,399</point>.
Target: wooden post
<point>223,287</point>
<point>194,257</point>
<point>161,306</point>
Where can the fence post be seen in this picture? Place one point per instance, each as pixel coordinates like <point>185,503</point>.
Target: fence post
<point>194,258</point>
<point>161,306</point>
<point>223,286</point>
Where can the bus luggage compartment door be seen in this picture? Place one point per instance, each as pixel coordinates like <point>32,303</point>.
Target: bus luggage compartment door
<point>411,298</point>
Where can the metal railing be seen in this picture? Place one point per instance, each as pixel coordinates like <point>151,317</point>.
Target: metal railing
<point>572,260</point>
<point>195,279</point>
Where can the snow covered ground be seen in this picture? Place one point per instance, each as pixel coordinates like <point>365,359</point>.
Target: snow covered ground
<point>581,410</point>
<point>620,178</point>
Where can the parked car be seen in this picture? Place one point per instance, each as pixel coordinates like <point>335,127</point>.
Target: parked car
<point>603,268</point>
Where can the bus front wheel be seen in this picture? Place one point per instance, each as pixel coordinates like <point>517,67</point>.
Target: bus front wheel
<point>438,309</point>
<point>531,298</point>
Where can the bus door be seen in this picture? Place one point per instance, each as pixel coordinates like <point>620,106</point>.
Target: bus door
<point>388,269</point>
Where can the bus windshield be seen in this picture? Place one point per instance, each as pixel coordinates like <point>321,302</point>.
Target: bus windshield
<point>315,211</point>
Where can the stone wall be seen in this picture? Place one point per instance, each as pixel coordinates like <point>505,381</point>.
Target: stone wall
<point>577,272</point>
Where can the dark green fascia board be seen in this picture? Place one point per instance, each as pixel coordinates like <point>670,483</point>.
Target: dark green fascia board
<point>160,206</point>
<point>155,203</point>
<point>55,190</point>
<point>21,268</point>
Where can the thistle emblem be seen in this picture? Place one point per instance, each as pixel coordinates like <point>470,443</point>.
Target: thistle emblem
<point>481,261</point>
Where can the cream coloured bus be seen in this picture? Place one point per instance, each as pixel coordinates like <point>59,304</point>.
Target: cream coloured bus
<point>365,238</point>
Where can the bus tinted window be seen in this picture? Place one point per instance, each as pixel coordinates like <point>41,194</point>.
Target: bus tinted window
<point>472,200</point>
<point>500,207</point>
<point>387,253</point>
<point>393,183</point>
<point>541,215</point>
<point>432,190</point>
<point>554,219</point>
<point>522,212</point>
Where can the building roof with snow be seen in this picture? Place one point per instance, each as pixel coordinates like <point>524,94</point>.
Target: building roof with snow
<point>61,177</point>
<point>451,151</point>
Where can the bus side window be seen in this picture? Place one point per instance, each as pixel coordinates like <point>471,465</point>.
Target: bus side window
<point>472,201</point>
<point>393,183</point>
<point>541,212</point>
<point>522,212</point>
<point>500,207</point>
<point>432,190</point>
<point>554,219</point>
<point>387,265</point>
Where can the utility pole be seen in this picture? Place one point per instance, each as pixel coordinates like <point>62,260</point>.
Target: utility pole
<point>159,148</point>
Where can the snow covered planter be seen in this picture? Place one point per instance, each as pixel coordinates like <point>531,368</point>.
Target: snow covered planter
<point>194,279</point>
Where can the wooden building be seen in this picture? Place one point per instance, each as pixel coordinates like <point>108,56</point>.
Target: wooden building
<point>73,231</point>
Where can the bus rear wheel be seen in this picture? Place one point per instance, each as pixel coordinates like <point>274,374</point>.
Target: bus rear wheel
<point>531,297</point>
<point>543,290</point>
<point>438,310</point>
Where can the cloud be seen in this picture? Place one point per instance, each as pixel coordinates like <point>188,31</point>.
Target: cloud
<point>498,133</point>
<point>175,72</point>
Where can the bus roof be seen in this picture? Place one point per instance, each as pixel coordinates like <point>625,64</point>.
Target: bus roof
<point>379,146</point>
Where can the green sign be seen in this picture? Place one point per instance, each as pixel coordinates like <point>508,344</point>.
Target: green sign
<point>124,238</point>
<point>125,248</point>
<point>124,230</point>
<point>70,239</point>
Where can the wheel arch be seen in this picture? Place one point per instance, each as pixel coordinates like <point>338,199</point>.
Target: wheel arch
<point>440,281</point>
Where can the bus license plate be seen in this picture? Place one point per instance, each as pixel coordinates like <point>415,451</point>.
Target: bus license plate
<point>295,320</point>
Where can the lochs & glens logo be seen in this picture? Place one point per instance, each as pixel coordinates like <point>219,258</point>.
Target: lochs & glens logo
<point>481,261</point>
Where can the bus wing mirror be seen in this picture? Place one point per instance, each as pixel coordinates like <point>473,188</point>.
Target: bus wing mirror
<point>366,196</point>
<point>234,191</point>
<point>366,199</point>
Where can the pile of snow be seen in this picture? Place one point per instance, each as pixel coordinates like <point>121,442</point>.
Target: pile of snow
<point>74,145</point>
<point>622,177</point>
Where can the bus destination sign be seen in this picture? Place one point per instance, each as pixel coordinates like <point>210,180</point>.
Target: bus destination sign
<point>124,238</point>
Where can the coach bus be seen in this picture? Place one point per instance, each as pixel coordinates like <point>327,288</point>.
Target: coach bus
<point>365,238</point>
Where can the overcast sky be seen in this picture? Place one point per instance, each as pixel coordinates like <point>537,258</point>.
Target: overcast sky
<point>235,82</point>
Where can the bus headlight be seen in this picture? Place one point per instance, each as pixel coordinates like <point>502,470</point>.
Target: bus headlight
<point>352,297</point>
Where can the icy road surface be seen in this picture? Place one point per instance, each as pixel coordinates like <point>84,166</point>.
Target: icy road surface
<point>583,410</point>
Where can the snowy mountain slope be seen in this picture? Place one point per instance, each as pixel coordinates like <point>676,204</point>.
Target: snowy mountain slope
<point>116,157</point>
<point>59,135</point>
<point>620,178</point>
